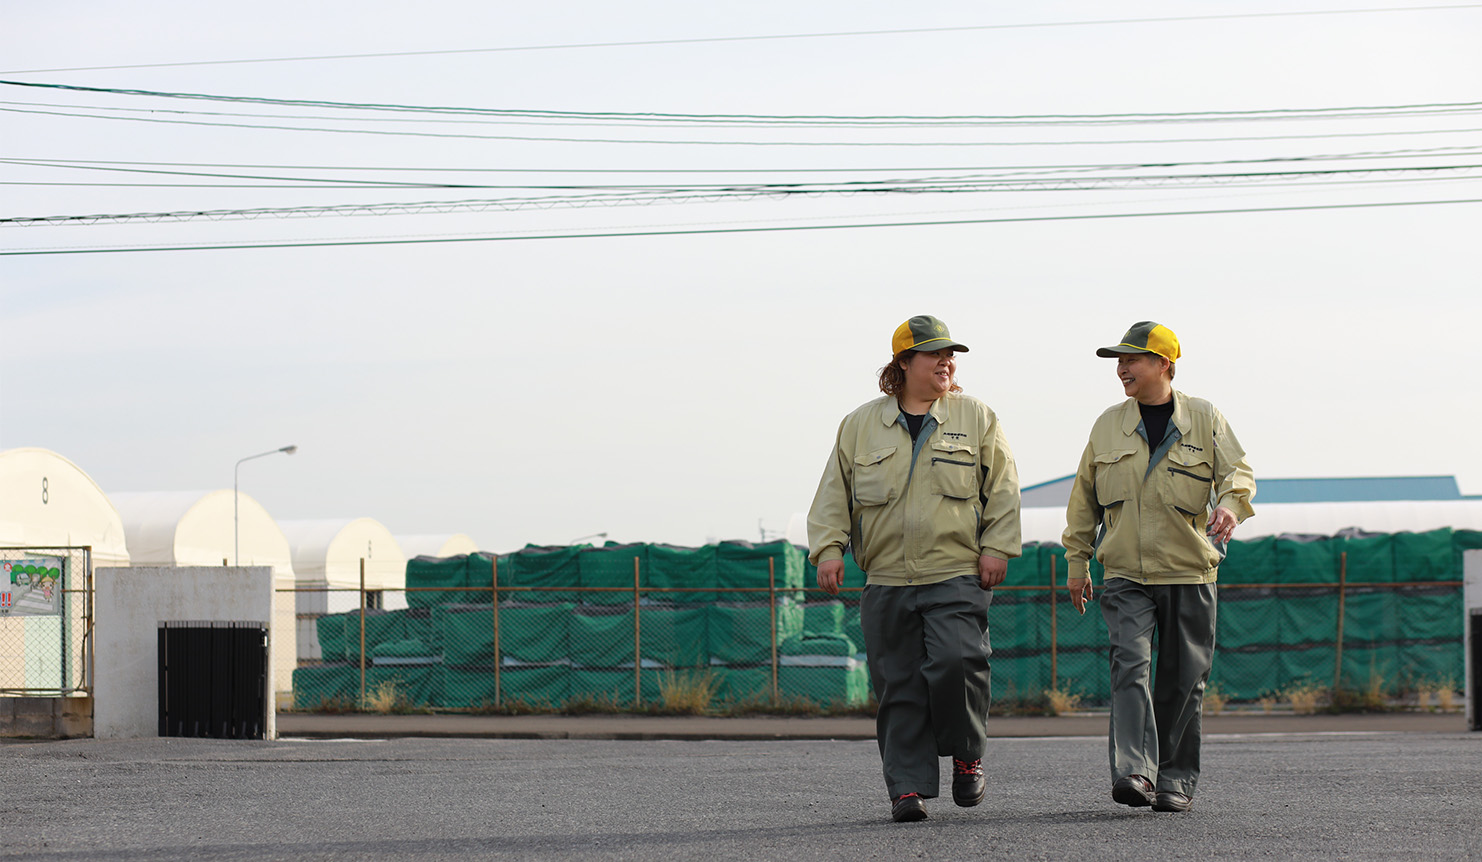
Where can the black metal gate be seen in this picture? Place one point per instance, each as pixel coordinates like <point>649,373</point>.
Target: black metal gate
<point>213,679</point>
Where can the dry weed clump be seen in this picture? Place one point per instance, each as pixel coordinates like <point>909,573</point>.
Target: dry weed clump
<point>1058,701</point>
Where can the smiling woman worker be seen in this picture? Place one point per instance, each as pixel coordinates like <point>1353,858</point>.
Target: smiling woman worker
<point>921,486</point>
<point>1161,476</point>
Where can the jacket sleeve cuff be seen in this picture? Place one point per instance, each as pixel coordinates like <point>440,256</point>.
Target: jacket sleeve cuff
<point>829,555</point>
<point>1239,504</point>
<point>995,552</point>
<point>1077,569</point>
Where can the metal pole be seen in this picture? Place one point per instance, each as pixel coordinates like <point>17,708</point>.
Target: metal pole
<point>362,632</point>
<point>772,596</point>
<point>637,645</point>
<point>498,694</point>
<point>1338,644</point>
<point>1054,631</point>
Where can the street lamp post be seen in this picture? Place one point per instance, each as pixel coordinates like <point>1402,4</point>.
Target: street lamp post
<point>236,541</point>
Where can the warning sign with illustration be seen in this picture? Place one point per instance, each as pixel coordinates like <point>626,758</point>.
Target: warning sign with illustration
<point>31,587</point>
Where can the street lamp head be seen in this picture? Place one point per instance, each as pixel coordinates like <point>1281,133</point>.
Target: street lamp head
<point>289,449</point>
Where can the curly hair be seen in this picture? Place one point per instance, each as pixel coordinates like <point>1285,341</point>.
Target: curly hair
<point>893,377</point>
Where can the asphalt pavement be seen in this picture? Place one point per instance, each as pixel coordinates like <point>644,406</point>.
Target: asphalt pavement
<point>1341,792</point>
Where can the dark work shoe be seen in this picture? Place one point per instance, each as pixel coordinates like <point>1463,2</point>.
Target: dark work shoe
<point>1171,800</point>
<point>1134,790</point>
<point>907,807</point>
<point>968,785</point>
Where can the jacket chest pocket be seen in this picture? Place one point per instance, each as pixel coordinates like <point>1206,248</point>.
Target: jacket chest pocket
<point>1116,477</point>
<point>1190,477</point>
<point>874,484</point>
<point>954,470</point>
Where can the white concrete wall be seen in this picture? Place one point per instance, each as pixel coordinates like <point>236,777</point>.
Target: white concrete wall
<point>1471,594</point>
<point>132,602</point>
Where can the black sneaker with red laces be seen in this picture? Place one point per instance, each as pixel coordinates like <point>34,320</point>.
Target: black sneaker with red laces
<point>968,785</point>
<point>907,807</point>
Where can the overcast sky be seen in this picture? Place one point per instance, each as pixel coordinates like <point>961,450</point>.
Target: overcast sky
<point>683,387</point>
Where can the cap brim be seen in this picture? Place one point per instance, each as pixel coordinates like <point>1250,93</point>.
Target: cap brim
<point>935,344</point>
<point>1119,350</point>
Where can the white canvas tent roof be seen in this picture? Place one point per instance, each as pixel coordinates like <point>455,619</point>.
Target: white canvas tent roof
<point>330,551</point>
<point>439,545</point>
<point>197,528</point>
<point>1047,523</point>
<point>46,500</point>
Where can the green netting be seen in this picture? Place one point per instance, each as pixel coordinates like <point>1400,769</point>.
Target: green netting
<point>1434,664</point>
<point>682,569</point>
<point>823,616</point>
<point>736,684</point>
<point>809,643</point>
<point>1031,567</point>
<point>745,566</point>
<point>1372,615</point>
<point>1464,540</point>
<point>602,637</point>
<point>538,569</point>
<point>1015,678</point>
<point>853,629</point>
<point>1083,672</point>
<point>423,572</point>
<point>315,687</point>
<point>614,685</point>
<point>419,685</point>
<point>473,687</point>
<point>1247,618</point>
<point>1247,675</point>
<point>1252,562</point>
<point>608,568</point>
<point>741,633</point>
<point>1018,620</point>
<point>1073,629</point>
<point>826,686</point>
<point>1305,616</point>
<point>1431,556</point>
<point>339,634</point>
<point>1370,558</point>
<point>481,573</point>
<point>1305,560</point>
<point>409,648</point>
<point>674,636</point>
<point>534,634</point>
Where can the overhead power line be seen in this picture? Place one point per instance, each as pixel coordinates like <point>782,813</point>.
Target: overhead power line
<point>760,38</point>
<point>730,230</point>
<point>750,143</point>
<point>644,195</point>
<point>1121,118</point>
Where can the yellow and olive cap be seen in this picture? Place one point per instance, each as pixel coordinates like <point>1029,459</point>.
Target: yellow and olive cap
<point>925,333</point>
<point>1145,336</point>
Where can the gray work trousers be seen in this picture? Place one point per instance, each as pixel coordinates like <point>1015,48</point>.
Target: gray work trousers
<point>928,652</point>
<point>1155,729</point>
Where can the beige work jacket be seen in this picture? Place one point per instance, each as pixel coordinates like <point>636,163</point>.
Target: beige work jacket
<point>922,514</point>
<point>1152,521</point>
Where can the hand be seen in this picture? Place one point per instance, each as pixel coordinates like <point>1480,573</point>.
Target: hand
<point>991,571</point>
<point>1221,524</point>
<point>831,576</point>
<point>1080,593</point>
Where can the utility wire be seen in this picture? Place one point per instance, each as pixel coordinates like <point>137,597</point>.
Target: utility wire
<point>1121,118</point>
<point>735,230</point>
<point>759,38</point>
<point>631,195</point>
<point>753,143</point>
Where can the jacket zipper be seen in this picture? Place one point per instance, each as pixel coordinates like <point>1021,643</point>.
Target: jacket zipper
<point>950,461</point>
<point>1191,475</point>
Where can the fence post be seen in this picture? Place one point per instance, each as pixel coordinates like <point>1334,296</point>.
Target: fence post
<point>1054,632</point>
<point>1338,644</point>
<point>772,601</point>
<point>362,632</point>
<point>494,597</point>
<point>637,644</point>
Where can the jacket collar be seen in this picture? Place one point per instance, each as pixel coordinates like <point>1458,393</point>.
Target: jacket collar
<point>890,409</point>
<point>1132,416</point>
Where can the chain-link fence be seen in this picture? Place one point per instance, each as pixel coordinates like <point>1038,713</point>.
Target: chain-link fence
<point>46,617</point>
<point>736,624</point>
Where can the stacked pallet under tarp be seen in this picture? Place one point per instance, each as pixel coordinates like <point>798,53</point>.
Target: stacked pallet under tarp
<point>566,623</point>
<point>1278,619</point>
